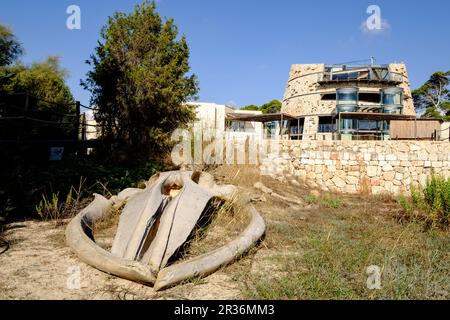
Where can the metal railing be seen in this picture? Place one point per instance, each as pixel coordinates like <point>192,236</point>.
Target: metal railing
<point>350,75</point>
<point>22,122</point>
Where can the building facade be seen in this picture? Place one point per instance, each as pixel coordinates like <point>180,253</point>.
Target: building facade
<point>346,101</point>
<point>214,120</point>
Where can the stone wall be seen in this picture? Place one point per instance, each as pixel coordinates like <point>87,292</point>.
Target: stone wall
<point>359,166</point>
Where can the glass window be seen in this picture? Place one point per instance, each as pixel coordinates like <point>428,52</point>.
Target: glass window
<point>326,124</point>
<point>392,96</point>
<point>296,126</point>
<point>369,125</point>
<point>236,126</point>
<point>347,96</point>
<point>347,125</point>
<point>270,128</point>
<point>389,98</point>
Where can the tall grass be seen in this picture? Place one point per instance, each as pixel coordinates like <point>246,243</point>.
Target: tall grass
<point>328,259</point>
<point>430,203</point>
<point>57,208</point>
<point>327,200</point>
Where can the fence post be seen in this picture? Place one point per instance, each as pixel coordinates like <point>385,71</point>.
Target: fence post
<point>21,136</point>
<point>83,127</point>
<point>77,121</point>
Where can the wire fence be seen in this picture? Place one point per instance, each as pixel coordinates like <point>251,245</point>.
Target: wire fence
<point>89,108</point>
<point>20,115</point>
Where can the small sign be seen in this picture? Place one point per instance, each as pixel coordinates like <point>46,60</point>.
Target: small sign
<point>56,153</point>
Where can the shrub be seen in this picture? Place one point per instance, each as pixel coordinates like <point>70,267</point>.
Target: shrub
<point>327,200</point>
<point>26,185</point>
<point>56,208</point>
<point>431,203</point>
<point>311,199</point>
<point>330,201</point>
<point>49,208</point>
<point>5,209</point>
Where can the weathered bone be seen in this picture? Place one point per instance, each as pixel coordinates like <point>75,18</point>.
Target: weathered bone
<point>154,224</point>
<point>89,252</point>
<point>210,262</point>
<point>177,223</point>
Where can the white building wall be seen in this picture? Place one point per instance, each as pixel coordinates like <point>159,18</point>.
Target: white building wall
<point>92,132</point>
<point>445,131</point>
<point>211,119</point>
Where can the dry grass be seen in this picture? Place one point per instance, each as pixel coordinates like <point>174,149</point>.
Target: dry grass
<point>322,250</point>
<point>60,209</point>
<point>105,229</point>
<point>223,222</point>
<point>318,250</point>
<point>4,245</point>
<point>3,291</point>
<point>113,291</point>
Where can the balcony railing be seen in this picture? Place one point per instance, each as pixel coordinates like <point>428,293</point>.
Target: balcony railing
<point>360,75</point>
<point>378,108</point>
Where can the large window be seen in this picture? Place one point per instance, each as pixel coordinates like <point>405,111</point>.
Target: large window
<point>392,100</point>
<point>392,96</point>
<point>296,127</point>
<point>369,97</point>
<point>347,125</point>
<point>240,126</point>
<point>270,129</point>
<point>347,99</point>
<point>347,96</point>
<point>368,125</point>
<point>326,124</point>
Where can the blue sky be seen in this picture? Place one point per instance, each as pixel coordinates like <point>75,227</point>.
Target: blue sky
<point>241,50</point>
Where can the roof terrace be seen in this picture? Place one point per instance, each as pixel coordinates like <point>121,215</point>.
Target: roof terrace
<point>359,73</point>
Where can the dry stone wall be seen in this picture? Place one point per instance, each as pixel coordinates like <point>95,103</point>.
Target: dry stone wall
<point>359,166</point>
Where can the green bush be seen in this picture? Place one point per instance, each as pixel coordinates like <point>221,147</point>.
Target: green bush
<point>56,208</point>
<point>333,202</point>
<point>431,203</point>
<point>27,186</point>
<point>327,200</point>
<point>311,199</point>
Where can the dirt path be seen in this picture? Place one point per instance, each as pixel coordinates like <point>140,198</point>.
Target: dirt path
<point>37,265</point>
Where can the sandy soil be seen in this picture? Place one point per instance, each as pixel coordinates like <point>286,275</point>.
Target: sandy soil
<point>38,263</point>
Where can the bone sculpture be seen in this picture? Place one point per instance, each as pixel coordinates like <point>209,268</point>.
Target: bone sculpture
<point>154,224</point>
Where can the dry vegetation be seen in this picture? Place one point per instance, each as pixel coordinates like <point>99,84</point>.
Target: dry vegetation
<point>317,246</point>
<point>322,250</point>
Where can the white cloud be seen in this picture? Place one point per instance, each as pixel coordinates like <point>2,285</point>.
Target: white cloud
<point>385,28</point>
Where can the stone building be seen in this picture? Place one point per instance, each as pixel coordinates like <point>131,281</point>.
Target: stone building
<point>347,101</point>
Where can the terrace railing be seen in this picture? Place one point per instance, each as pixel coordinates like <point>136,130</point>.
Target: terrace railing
<point>360,75</point>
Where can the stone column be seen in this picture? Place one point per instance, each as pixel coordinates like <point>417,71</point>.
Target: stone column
<point>310,128</point>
